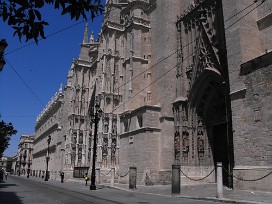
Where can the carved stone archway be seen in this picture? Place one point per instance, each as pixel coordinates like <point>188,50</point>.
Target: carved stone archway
<point>208,119</point>
<point>202,110</point>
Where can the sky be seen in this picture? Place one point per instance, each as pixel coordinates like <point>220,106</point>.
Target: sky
<point>33,73</point>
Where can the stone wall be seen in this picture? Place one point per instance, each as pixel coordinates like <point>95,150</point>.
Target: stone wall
<point>140,144</point>
<point>140,150</point>
<point>252,125</point>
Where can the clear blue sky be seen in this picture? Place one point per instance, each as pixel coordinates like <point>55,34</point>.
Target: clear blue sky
<point>42,67</point>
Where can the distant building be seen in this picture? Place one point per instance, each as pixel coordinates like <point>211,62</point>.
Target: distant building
<point>48,125</point>
<point>14,164</point>
<point>24,155</point>
<point>4,163</point>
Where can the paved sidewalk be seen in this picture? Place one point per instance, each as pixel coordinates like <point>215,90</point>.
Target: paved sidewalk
<point>198,192</point>
<point>204,192</point>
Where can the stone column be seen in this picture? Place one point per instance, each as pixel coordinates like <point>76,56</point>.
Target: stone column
<point>97,175</point>
<point>112,175</point>
<point>219,180</point>
<point>103,73</point>
<point>109,140</point>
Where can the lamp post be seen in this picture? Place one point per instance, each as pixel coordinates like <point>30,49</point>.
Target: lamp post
<point>47,159</point>
<point>95,119</point>
<point>3,45</point>
<point>20,161</point>
<point>28,165</point>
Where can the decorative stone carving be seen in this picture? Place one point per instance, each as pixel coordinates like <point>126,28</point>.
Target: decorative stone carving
<point>104,150</point>
<point>200,138</point>
<point>177,145</point>
<point>113,151</point>
<point>83,102</point>
<point>105,146</point>
<point>79,154</point>
<point>80,138</point>
<point>185,146</point>
<point>185,142</point>
<point>114,127</point>
<point>106,126</point>
<point>203,35</point>
<point>109,51</point>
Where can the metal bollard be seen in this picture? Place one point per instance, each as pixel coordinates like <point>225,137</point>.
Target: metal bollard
<point>132,177</point>
<point>112,175</point>
<point>219,179</point>
<point>175,179</point>
<point>97,175</point>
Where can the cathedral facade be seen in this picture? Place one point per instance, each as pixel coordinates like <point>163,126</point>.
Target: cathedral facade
<point>180,83</point>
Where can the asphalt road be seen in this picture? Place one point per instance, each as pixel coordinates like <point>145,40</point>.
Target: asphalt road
<point>20,190</point>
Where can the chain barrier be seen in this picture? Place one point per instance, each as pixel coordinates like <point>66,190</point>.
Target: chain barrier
<point>197,179</point>
<point>121,175</point>
<point>105,174</point>
<point>241,179</point>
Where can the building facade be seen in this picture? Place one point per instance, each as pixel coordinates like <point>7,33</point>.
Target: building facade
<point>24,155</point>
<point>76,123</point>
<point>222,113</point>
<point>48,142</point>
<point>179,82</point>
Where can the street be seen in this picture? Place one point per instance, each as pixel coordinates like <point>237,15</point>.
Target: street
<point>20,190</point>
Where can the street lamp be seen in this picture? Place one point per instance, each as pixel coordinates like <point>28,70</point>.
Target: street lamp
<point>47,158</point>
<point>20,161</point>
<point>95,119</point>
<point>3,45</point>
<point>28,165</point>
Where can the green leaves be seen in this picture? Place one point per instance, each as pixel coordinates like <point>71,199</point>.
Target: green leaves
<point>25,18</point>
<point>6,131</point>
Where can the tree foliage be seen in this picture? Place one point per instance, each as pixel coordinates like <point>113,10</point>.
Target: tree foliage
<point>6,131</point>
<point>25,18</point>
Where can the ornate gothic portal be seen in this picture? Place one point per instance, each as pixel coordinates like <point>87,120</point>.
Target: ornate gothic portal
<point>202,116</point>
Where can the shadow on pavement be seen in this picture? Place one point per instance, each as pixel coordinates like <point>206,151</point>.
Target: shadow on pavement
<point>5,185</point>
<point>8,197</point>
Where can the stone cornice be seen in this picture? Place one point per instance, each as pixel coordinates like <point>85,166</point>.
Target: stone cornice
<point>257,63</point>
<point>136,59</point>
<point>139,21</point>
<point>179,100</point>
<point>142,3</point>
<point>108,54</point>
<point>238,94</point>
<point>166,118</point>
<point>113,25</point>
<point>44,151</point>
<point>141,130</point>
<point>132,21</point>
<point>46,133</point>
<point>47,111</point>
<point>142,108</point>
<point>241,167</point>
<point>83,63</point>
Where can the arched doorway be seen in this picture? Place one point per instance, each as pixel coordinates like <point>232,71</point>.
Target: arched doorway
<point>208,106</point>
<point>202,107</point>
